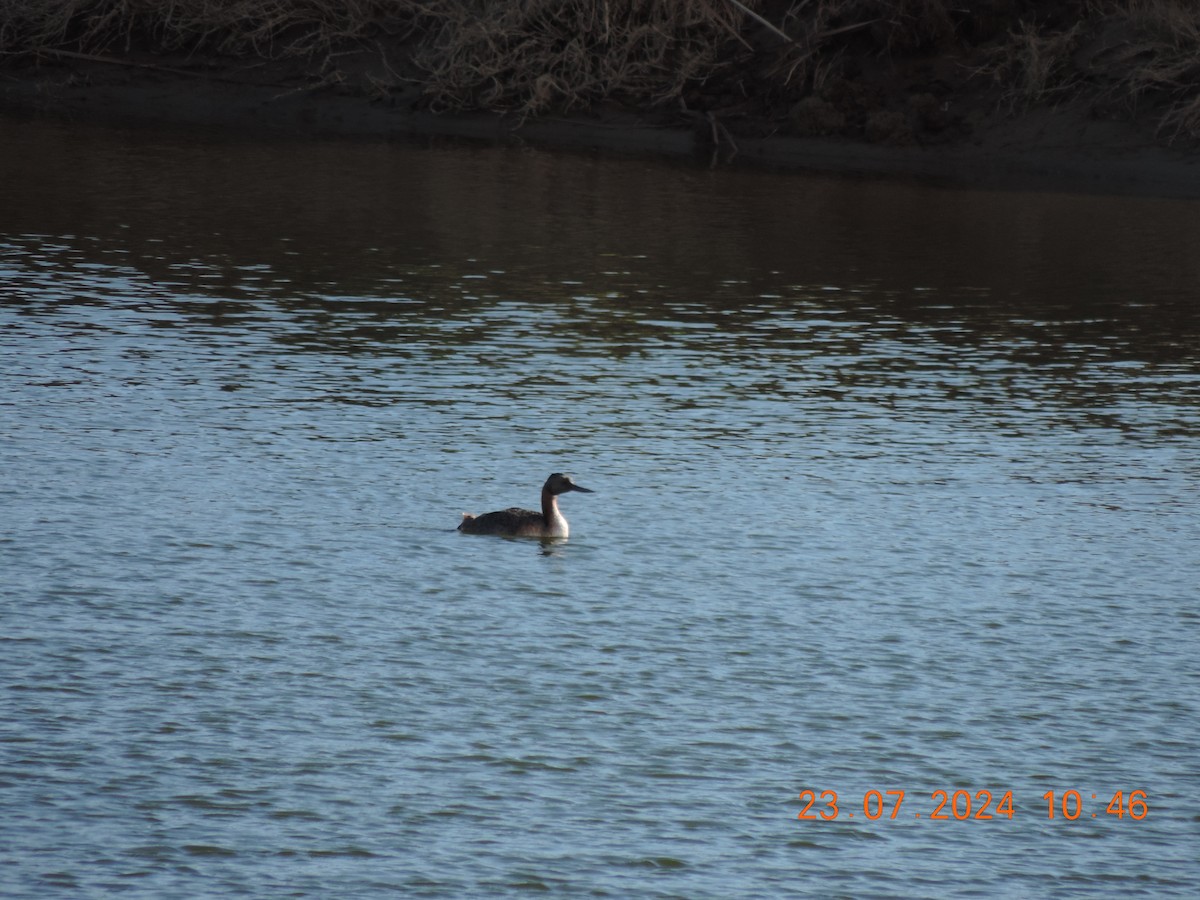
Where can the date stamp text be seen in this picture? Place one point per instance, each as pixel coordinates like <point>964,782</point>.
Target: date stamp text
<point>963,805</point>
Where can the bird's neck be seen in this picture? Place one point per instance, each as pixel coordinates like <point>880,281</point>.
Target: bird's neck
<point>549,506</point>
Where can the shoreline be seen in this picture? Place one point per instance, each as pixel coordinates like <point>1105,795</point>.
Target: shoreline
<point>1060,149</point>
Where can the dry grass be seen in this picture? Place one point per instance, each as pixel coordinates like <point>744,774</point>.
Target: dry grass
<point>1161,58</point>
<point>1035,66</point>
<point>549,55</point>
<point>1133,54</point>
<point>262,27</point>
<point>534,56</point>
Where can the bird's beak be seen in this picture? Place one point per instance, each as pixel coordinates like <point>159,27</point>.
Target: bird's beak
<point>582,490</point>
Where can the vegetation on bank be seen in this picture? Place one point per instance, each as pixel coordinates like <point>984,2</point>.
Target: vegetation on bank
<point>884,70</point>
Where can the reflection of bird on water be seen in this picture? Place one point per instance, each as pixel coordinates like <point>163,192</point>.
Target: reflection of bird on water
<point>517,522</point>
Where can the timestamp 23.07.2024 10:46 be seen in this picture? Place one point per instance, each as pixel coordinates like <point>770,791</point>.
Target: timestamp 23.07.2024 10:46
<point>962,805</point>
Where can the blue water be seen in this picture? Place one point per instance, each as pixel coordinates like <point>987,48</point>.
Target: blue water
<point>896,489</point>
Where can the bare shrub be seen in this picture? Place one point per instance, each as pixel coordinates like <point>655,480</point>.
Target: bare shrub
<point>1034,66</point>
<point>256,26</point>
<point>547,54</point>
<point>535,56</point>
<point>1162,58</point>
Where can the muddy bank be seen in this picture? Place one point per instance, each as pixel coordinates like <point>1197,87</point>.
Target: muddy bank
<point>981,100</point>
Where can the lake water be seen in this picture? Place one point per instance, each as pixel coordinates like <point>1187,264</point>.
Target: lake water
<point>896,489</point>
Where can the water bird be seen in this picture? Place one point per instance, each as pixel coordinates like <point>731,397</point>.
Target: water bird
<point>517,522</point>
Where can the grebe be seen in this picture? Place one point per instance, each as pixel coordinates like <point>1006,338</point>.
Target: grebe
<point>517,522</point>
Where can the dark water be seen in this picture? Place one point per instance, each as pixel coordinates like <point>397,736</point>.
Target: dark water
<point>896,489</point>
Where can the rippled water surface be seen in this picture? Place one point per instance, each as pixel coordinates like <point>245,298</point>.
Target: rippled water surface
<point>895,490</point>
